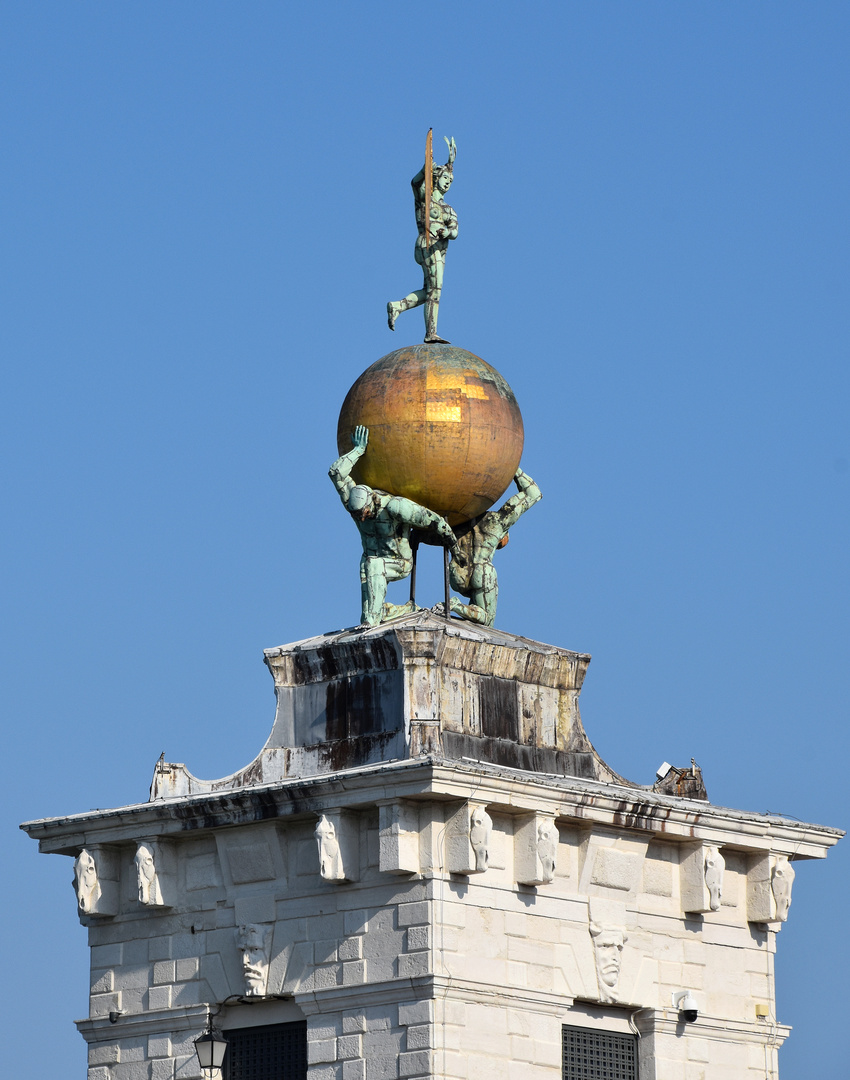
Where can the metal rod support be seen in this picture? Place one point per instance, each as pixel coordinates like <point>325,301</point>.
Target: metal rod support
<point>415,549</point>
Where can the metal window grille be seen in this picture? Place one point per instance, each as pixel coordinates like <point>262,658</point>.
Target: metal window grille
<point>599,1055</point>
<point>272,1052</point>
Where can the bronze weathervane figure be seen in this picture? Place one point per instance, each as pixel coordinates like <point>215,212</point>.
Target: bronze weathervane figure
<point>436,223</point>
<point>444,435</point>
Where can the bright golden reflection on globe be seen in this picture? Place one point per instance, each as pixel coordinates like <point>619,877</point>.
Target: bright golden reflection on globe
<point>444,429</point>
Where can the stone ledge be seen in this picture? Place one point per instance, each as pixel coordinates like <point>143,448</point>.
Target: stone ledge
<point>153,1022</point>
<point>583,802</point>
<point>714,1028</point>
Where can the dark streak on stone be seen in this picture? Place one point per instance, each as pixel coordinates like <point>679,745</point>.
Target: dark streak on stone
<point>519,756</point>
<point>648,817</point>
<point>499,707</point>
<point>353,708</point>
<point>359,750</point>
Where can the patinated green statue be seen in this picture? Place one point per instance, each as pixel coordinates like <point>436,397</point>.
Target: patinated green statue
<point>384,522</point>
<point>436,223</point>
<point>475,578</point>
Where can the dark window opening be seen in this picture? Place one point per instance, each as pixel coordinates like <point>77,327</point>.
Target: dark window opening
<point>591,1054</point>
<point>271,1052</point>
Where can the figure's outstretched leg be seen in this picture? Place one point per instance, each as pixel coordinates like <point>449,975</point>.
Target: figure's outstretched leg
<point>396,307</point>
<point>470,612</point>
<point>393,611</point>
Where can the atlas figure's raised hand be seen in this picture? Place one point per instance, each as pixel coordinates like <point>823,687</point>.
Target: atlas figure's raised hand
<point>360,438</point>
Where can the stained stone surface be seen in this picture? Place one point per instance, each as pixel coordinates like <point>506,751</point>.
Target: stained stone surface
<point>412,686</point>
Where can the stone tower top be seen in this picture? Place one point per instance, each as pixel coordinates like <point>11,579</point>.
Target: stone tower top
<point>417,685</point>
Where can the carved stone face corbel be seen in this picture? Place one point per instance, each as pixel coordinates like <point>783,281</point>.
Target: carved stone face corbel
<point>153,873</point>
<point>480,830</point>
<point>781,881</point>
<point>535,849</point>
<point>715,865</point>
<point>769,882</point>
<point>254,941</point>
<point>337,838</point>
<point>96,882</point>
<point>608,942</point>
<point>468,833</point>
<point>701,872</point>
<point>86,883</point>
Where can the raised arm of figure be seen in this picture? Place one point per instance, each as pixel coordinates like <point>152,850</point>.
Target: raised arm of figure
<point>527,495</point>
<point>340,471</point>
<point>524,483</point>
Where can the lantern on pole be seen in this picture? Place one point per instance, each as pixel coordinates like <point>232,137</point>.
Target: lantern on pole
<point>210,1048</point>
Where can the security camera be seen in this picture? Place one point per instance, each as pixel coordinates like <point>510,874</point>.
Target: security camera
<point>686,1003</point>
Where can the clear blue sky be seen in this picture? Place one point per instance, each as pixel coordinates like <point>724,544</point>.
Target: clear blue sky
<point>205,209</point>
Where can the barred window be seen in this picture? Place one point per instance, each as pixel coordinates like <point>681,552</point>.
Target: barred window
<point>271,1052</point>
<point>591,1054</point>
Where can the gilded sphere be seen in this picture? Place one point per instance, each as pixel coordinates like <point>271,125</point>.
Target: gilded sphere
<point>444,429</point>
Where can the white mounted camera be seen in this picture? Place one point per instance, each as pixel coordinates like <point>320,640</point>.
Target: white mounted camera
<point>686,1003</point>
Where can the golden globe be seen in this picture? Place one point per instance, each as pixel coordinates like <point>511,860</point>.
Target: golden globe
<point>444,429</point>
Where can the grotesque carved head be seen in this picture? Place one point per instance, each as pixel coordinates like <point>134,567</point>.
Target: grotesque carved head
<point>253,941</point>
<point>147,878</point>
<point>85,882</point>
<point>608,942</point>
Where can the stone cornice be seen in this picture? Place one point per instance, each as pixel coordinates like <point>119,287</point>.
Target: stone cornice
<point>583,803</point>
<point>426,636</point>
<point>151,1022</point>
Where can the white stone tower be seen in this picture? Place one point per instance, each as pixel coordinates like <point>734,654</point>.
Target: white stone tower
<point>428,872</point>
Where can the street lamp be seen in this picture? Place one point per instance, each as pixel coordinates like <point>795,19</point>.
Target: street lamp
<point>210,1048</point>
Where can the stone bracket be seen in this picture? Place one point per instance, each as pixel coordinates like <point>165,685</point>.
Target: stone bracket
<point>535,848</point>
<point>338,838</point>
<point>160,891</point>
<point>98,897</point>
<point>701,878</point>
<point>468,830</point>
<point>398,840</point>
<point>769,880</point>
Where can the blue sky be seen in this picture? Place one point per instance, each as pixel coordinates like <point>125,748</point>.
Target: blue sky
<point>205,209</point>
